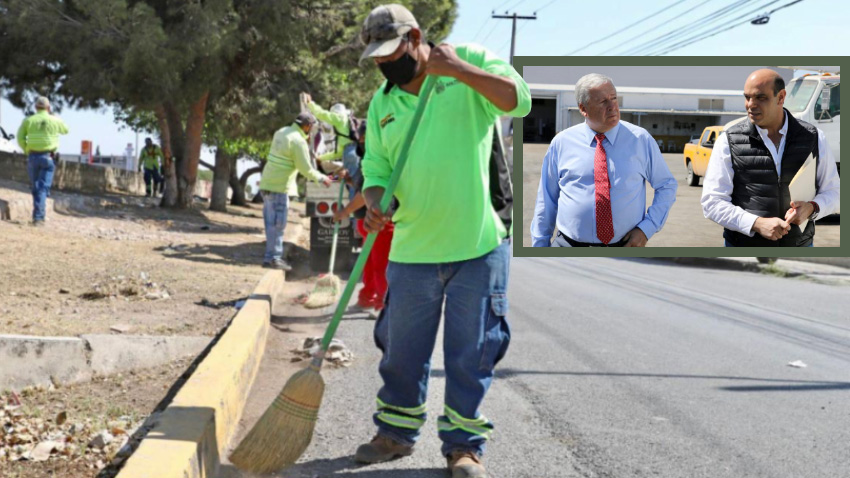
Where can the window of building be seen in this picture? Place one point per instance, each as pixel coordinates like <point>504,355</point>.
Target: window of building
<point>707,104</point>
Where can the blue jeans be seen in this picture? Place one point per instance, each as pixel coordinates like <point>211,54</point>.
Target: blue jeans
<point>153,181</point>
<point>275,210</point>
<point>475,338</point>
<point>40,169</point>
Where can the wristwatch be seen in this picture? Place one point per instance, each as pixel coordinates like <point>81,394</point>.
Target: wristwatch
<point>815,212</point>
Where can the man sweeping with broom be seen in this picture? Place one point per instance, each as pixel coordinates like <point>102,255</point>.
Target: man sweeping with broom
<point>450,249</point>
<point>437,111</point>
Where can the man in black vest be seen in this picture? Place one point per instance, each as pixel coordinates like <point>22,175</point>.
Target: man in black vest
<point>745,189</point>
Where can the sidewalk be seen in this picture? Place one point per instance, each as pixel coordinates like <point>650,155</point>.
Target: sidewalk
<point>832,270</point>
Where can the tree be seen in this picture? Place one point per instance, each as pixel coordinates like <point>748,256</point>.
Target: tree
<point>181,59</point>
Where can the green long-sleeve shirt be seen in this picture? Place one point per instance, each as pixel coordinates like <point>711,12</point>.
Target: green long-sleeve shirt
<point>288,155</point>
<point>446,214</point>
<point>340,123</point>
<point>151,157</point>
<point>40,132</point>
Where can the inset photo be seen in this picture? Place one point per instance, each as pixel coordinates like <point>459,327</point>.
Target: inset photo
<point>680,156</point>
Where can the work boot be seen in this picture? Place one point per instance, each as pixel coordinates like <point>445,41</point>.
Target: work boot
<point>38,223</point>
<point>381,449</point>
<point>466,464</point>
<point>279,264</point>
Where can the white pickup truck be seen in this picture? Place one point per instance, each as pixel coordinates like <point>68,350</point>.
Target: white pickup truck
<point>816,99</point>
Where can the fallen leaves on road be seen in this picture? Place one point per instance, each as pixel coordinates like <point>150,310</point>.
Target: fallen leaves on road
<point>338,354</point>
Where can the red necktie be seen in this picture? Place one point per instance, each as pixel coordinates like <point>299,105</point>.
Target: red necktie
<point>604,220</point>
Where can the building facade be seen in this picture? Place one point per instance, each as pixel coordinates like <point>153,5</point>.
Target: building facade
<point>673,104</point>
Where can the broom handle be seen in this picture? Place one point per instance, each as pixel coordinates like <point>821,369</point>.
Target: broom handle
<point>336,227</point>
<point>354,278</point>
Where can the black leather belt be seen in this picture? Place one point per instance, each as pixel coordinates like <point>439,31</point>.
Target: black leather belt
<point>591,244</point>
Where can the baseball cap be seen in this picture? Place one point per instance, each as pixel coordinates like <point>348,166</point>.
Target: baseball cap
<point>383,30</point>
<point>305,118</point>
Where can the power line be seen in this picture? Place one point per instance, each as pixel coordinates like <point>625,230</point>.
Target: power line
<point>486,21</point>
<point>544,6</point>
<point>676,47</point>
<point>508,40</point>
<point>705,30</point>
<point>514,17</point>
<point>704,35</point>
<point>495,25</point>
<point>520,2</point>
<point>501,4</point>
<point>645,32</point>
<point>702,22</point>
<point>627,27</point>
<point>783,6</point>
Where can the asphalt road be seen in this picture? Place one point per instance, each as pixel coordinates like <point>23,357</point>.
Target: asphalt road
<point>686,226</point>
<point>623,368</point>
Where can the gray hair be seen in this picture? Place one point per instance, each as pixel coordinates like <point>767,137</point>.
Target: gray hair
<point>588,82</point>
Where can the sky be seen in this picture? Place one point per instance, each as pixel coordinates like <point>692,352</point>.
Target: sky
<point>807,28</point>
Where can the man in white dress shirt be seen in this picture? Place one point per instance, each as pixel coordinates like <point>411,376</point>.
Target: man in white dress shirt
<point>745,189</point>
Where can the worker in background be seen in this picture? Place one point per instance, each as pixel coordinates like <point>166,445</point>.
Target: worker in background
<point>289,155</point>
<point>344,126</point>
<point>38,137</point>
<point>371,296</point>
<point>150,159</point>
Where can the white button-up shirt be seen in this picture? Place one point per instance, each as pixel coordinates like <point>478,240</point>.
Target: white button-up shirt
<point>717,184</point>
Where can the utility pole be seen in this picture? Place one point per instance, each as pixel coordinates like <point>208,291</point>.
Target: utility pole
<point>514,17</point>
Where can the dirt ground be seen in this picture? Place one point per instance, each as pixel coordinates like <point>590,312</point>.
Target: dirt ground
<point>121,401</point>
<point>135,266</point>
<point>157,271</point>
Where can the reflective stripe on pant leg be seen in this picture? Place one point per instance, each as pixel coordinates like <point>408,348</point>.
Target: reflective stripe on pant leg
<point>411,418</point>
<point>405,332</point>
<point>475,338</point>
<point>452,420</point>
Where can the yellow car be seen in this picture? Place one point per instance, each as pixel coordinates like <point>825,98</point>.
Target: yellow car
<point>697,155</point>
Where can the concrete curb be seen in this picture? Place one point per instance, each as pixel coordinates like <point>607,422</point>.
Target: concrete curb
<point>27,361</point>
<point>826,271</point>
<point>714,262</point>
<point>188,438</point>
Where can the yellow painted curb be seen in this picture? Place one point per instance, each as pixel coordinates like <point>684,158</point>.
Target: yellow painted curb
<point>190,435</point>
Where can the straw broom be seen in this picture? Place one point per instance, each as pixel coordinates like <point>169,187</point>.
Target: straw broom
<point>286,428</point>
<point>327,287</point>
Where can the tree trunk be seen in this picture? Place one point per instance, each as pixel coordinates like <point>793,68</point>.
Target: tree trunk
<point>221,180</point>
<point>176,142</point>
<point>250,172</point>
<point>169,194</point>
<point>238,198</point>
<point>258,197</point>
<point>188,172</point>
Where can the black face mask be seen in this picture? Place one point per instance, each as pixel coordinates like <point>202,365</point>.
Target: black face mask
<point>401,71</point>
